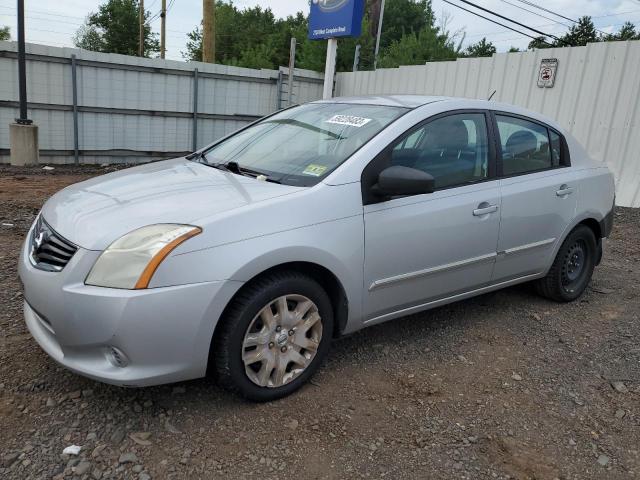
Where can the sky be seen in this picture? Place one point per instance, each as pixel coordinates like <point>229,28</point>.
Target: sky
<point>55,22</point>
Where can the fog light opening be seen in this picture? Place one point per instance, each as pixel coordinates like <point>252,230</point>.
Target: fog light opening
<point>116,357</point>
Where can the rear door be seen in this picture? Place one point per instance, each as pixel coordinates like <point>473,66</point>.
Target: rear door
<point>539,195</point>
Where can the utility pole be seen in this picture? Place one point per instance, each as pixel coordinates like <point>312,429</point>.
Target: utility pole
<point>375,57</point>
<point>141,31</point>
<point>208,31</point>
<point>22,68</point>
<point>23,134</point>
<point>163,29</point>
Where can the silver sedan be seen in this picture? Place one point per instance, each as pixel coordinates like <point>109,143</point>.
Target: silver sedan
<point>247,257</point>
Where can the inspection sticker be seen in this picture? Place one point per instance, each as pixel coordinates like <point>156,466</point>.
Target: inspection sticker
<point>314,170</point>
<point>349,120</point>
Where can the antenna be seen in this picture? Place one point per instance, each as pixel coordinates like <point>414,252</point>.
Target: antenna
<point>491,96</point>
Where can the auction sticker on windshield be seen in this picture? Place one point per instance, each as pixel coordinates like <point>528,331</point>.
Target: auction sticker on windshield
<point>349,120</point>
<point>315,170</point>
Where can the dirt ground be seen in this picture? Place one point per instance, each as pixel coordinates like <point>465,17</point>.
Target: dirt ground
<point>506,385</point>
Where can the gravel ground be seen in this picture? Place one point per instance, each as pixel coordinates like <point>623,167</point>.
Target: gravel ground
<point>506,385</point>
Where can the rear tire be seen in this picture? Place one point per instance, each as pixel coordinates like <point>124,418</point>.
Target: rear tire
<point>572,268</point>
<point>273,337</point>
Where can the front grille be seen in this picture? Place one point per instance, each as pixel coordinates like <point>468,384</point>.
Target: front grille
<point>49,251</point>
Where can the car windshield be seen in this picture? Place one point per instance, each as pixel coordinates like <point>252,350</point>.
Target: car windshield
<point>301,145</point>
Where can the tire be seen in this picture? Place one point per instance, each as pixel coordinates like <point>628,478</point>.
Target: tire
<point>572,268</point>
<point>247,322</point>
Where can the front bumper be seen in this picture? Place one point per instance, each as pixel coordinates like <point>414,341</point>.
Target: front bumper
<point>165,332</point>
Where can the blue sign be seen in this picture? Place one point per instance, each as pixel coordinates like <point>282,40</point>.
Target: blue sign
<point>335,18</point>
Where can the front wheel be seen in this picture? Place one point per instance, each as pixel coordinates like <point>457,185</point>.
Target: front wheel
<point>572,268</point>
<point>274,336</point>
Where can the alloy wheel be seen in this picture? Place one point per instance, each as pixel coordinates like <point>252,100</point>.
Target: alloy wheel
<point>281,341</point>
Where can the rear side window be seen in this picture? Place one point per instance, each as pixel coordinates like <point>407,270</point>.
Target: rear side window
<point>556,148</point>
<point>454,149</point>
<point>526,146</point>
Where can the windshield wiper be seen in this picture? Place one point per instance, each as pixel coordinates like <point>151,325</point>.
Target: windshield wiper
<point>234,167</point>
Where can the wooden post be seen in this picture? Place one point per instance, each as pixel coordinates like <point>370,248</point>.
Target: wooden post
<point>208,31</point>
<point>141,30</point>
<point>163,29</point>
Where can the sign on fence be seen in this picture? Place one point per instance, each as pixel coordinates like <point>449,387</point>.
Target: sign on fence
<point>547,72</point>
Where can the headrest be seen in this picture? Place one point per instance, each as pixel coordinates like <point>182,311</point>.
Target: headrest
<point>522,142</point>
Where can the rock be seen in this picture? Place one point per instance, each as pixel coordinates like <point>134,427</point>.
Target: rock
<point>603,460</point>
<point>572,442</point>
<point>98,451</point>
<point>51,402</point>
<point>293,424</point>
<point>9,459</point>
<point>620,413</point>
<point>87,393</point>
<point>177,390</point>
<point>82,468</point>
<point>137,468</point>
<point>75,394</point>
<point>141,438</point>
<point>603,290</point>
<point>118,436</point>
<point>47,168</point>
<point>96,473</point>
<point>516,377</point>
<point>619,387</point>
<point>128,457</point>
<point>92,436</point>
<point>147,404</point>
<point>144,476</point>
<point>72,450</point>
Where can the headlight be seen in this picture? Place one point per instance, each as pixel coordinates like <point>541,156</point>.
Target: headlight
<point>131,261</point>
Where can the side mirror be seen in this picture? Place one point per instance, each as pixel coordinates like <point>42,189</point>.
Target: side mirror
<point>399,181</point>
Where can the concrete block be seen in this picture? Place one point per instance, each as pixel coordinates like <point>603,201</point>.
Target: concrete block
<point>24,144</point>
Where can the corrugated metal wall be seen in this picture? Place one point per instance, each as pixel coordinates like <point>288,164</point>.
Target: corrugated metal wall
<point>133,109</point>
<point>596,95</point>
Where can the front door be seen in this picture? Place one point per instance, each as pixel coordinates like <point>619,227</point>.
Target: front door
<point>426,247</point>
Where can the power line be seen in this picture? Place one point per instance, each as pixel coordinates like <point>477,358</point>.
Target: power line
<point>531,11</point>
<point>494,21</point>
<point>509,19</point>
<point>527,2</point>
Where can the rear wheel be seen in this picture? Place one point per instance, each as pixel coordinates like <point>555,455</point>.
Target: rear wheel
<point>572,268</point>
<point>274,336</point>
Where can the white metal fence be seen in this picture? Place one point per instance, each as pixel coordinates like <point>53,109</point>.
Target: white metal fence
<point>130,109</point>
<point>596,95</point>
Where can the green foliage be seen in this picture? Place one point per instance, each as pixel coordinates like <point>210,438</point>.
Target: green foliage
<point>585,32</point>
<point>626,32</point>
<point>480,49</point>
<point>402,17</point>
<point>427,45</point>
<point>114,29</point>
<point>5,33</point>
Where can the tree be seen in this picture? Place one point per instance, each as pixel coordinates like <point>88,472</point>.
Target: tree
<point>514,50</point>
<point>5,33</point>
<point>626,32</point>
<point>480,49</point>
<point>540,42</point>
<point>114,29</point>
<point>401,17</point>
<point>428,45</point>
<point>580,34</point>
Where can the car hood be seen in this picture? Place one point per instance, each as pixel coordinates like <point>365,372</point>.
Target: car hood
<point>94,213</point>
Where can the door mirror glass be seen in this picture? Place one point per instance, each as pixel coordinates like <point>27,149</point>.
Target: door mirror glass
<point>399,181</point>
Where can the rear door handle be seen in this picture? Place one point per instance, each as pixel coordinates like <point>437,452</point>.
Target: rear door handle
<point>484,209</point>
<point>564,190</point>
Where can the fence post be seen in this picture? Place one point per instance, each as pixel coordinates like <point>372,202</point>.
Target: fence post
<point>74,87</point>
<point>356,58</point>
<point>279,93</point>
<point>195,110</point>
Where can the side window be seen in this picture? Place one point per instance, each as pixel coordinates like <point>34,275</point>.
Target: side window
<point>525,146</point>
<point>454,149</point>
<point>556,148</point>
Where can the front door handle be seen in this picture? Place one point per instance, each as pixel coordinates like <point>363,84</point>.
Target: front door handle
<point>564,190</point>
<point>484,209</point>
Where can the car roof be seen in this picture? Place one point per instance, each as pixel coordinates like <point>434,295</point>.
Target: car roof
<point>405,101</point>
